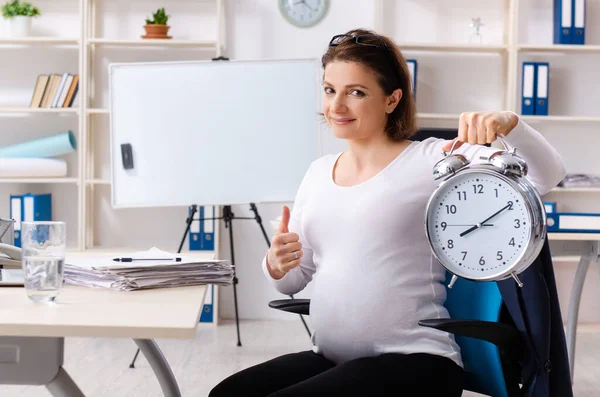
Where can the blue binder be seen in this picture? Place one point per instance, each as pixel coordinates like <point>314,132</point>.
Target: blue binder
<point>563,21</point>
<point>202,230</point>
<point>207,228</point>
<point>550,207</point>
<point>573,222</point>
<point>16,213</point>
<point>194,236</point>
<point>542,71</point>
<point>207,314</point>
<point>528,89</point>
<point>569,22</point>
<point>28,208</point>
<point>578,32</point>
<point>412,68</point>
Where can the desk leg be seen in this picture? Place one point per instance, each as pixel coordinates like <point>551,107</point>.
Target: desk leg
<point>576,290</point>
<point>63,386</point>
<point>160,366</point>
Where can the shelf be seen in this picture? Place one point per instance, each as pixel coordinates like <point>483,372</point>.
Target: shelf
<point>97,111</point>
<point>452,47</point>
<point>569,119</point>
<point>438,116</point>
<point>576,189</point>
<point>97,182</point>
<point>566,258</point>
<point>153,42</point>
<point>558,48</point>
<point>25,109</point>
<point>574,236</point>
<point>38,41</point>
<point>39,180</point>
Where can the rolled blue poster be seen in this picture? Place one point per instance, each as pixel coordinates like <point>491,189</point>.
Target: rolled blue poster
<point>50,146</point>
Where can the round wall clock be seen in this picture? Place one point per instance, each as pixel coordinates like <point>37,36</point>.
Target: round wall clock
<point>303,13</point>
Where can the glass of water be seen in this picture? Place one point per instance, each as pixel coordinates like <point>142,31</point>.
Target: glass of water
<point>44,246</point>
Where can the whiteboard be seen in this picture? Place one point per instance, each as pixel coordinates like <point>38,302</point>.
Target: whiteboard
<point>212,132</point>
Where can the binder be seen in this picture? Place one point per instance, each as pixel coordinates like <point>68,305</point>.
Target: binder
<point>194,235</point>
<point>563,21</point>
<point>202,230</point>
<point>528,85</point>
<point>207,314</point>
<point>16,214</point>
<point>550,207</point>
<point>412,68</point>
<point>37,207</point>
<point>578,32</point>
<point>541,85</point>
<point>573,222</point>
<point>207,228</point>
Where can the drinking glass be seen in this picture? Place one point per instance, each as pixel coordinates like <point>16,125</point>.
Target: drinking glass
<point>44,248</point>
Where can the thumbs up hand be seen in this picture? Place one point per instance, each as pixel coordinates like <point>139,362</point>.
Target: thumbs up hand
<point>286,249</point>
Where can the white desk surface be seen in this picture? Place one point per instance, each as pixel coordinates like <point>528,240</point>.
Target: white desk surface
<point>81,311</point>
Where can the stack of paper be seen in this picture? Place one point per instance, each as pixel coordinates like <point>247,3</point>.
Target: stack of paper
<point>141,273</point>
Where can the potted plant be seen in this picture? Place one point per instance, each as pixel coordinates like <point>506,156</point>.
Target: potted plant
<point>19,14</point>
<point>157,28</point>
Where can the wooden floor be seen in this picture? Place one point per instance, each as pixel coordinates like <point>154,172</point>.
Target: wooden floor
<point>101,366</point>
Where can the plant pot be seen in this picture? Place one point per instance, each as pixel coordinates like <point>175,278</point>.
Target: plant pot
<point>156,32</point>
<point>20,26</point>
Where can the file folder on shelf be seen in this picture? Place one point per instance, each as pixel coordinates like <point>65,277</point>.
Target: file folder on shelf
<point>541,98</point>
<point>528,89</point>
<point>16,214</point>
<point>37,207</point>
<point>412,68</point>
<point>567,222</point>
<point>550,207</point>
<point>28,208</point>
<point>569,22</point>
<point>563,21</point>
<point>194,236</point>
<point>578,31</point>
<point>202,230</point>
<point>207,309</point>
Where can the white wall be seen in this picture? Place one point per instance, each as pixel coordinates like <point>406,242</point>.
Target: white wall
<point>448,83</point>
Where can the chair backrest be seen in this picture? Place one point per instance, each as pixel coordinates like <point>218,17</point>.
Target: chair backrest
<point>478,301</point>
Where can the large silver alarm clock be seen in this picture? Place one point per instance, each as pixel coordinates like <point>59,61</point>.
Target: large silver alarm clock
<point>485,221</point>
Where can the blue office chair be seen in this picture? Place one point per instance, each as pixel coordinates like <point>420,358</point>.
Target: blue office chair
<point>491,347</point>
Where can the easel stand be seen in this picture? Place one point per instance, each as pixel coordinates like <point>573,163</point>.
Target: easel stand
<point>228,216</point>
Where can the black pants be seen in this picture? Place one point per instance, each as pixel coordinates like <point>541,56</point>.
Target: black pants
<point>309,374</point>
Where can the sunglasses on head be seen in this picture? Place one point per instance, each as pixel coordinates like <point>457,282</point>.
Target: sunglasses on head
<point>367,40</point>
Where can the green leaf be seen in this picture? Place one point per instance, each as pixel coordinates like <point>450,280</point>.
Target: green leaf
<point>159,17</point>
<point>16,8</point>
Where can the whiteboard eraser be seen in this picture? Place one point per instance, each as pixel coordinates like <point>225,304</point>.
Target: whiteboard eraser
<point>127,156</point>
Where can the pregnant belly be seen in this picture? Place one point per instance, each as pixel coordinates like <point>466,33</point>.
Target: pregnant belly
<point>358,321</point>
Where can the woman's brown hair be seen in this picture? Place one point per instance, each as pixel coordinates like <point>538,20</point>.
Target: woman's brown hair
<point>381,55</point>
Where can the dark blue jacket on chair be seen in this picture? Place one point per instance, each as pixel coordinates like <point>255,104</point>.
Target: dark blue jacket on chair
<point>535,310</point>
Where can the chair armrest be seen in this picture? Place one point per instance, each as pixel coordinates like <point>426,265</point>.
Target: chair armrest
<point>299,306</point>
<point>502,335</point>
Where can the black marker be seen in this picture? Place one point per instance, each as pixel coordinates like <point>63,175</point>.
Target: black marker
<point>146,259</point>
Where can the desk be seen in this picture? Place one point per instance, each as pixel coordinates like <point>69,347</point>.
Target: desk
<point>589,251</point>
<point>34,333</point>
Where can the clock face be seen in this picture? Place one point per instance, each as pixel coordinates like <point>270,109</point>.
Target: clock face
<point>303,13</point>
<point>478,225</point>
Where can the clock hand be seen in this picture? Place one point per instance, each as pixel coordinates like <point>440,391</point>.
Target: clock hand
<point>487,224</point>
<point>477,226</point>
<point>307,6</point>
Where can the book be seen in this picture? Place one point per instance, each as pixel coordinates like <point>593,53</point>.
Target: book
<point>39,90</point>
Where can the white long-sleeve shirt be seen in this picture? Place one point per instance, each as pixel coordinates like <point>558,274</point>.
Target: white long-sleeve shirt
<point>366,251</point>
